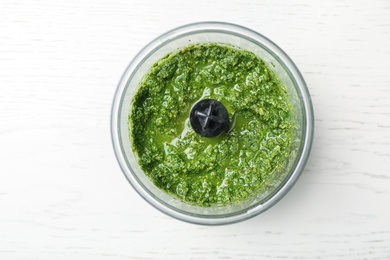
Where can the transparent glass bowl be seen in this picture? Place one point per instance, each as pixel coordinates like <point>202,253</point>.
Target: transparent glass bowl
<point>243,38</point>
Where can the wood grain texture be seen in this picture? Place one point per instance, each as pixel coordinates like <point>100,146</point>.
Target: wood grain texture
<point>62,194</point>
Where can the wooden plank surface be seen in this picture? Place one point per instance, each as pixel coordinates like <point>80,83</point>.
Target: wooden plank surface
<point>62,194</point>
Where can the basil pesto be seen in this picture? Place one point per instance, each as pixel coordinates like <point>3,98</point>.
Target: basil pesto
<point>221,170</point>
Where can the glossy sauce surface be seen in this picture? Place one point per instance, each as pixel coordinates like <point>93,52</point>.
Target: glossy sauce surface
<point>222,170</point>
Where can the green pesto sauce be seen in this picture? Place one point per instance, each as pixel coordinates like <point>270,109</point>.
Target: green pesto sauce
<point>222,170</point>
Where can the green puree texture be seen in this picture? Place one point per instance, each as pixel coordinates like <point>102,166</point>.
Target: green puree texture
<point>226,169</point>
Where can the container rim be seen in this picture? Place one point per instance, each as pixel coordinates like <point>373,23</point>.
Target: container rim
<point>278,53</point>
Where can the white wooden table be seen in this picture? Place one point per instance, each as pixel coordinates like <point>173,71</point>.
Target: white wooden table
<point>62,194</point>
